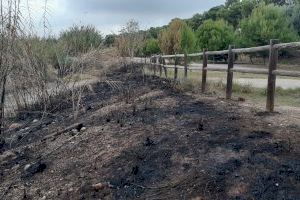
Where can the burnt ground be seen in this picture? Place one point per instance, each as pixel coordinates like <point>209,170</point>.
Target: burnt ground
<point>146,139</point>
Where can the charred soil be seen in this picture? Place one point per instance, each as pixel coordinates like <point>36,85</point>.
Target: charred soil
<point>141,137</point>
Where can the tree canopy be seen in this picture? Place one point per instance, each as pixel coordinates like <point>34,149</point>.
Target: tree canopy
<point>241,22</point>
<point>214,35</point>
<point>266,22</point>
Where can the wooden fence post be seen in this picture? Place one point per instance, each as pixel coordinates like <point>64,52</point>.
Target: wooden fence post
<point>230,73</point>
<point>155,64</point>
<point>152,65</point>
<point>273,60</point>
<point>165,68</point>
<point>160,66</point>
<point>185,66</point>
<point>175,69</point>
<point>204,71</point>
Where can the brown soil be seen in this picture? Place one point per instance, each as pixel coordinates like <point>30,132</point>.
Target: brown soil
<point>146,139</point>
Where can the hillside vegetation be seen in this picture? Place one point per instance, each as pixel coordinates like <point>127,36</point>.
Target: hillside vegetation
<point>242,23</point>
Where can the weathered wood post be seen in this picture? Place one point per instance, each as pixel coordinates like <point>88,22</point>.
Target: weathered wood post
<point>273,60</point>
<point>185,66</point>
<point>204,71</point>
<point>153,65</point>
<point>230,73</point>
<point>165,67</point>
<point>176,69</point>
<point>156,64</point>
<point>160,66</point>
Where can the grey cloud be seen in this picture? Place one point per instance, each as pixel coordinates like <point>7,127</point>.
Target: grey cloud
<point>106,15</point>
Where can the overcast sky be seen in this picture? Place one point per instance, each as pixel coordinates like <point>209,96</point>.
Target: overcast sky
<point>109,15</point>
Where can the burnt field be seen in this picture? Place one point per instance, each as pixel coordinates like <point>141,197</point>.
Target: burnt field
<point>141,137</point>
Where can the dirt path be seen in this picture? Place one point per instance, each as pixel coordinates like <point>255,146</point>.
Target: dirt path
<point>145,139</point>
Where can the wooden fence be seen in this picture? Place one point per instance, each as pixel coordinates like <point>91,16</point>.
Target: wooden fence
<point>158,61</point>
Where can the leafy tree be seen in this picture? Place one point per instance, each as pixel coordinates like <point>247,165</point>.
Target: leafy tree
<point>178,37</point>
<point>195,21</point>
<point>235,10</point>
<point>265,23</point>
<point>279,2</point>
<point>214,35</point>
<point>80,39</point>
<point>229,3</point>
<point>130,40</point>
<point>153,32</point>
<point>151,47</point>
<point>294,12</point>
<point>109,40</point>
<point>188,40</point>
<point>213,13</point>
<point>170,37</point>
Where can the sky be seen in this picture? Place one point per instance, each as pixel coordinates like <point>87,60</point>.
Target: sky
<point>108,16</point>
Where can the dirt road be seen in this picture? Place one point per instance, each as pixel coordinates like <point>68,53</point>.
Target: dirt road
<point>146,139</point>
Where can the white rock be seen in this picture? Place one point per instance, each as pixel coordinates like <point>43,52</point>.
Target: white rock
<point>43,198</point>
<point>35,121</point>
<point>83,129</point>
<point>27,167</point>
<point>74,131</point>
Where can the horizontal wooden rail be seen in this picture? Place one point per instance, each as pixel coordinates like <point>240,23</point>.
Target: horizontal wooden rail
<point>251,71</point>
<point>286,73</point>
<point>291,45</point>
<point>217,52</point>
<point>195,54</point>
<point>251,49</point>
<point>173,56</point>
<point>215,69</point>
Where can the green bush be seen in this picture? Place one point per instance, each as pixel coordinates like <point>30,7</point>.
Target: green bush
<point>214,35</point>
<point>188,40</point>
<point>80,39</point>
<point>266,22</point>
<point>178,37</point>
<point>151,47</point>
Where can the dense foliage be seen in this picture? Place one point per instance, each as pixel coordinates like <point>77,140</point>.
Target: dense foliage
<point>178,37</point>
<point>214,35</point>
<point>238,22</point>
<point>267,22</point>
<point>151,47</point>
<point>80,39</point>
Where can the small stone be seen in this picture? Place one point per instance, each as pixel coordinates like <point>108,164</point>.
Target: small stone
<point>34,168</point>
<point>27,167</point>
<point>99,186</point>
<point>44,198</point>
<point>83,129</point>
<point>27,128</point>
<point>35,121</point>
<point>14,126</point>
<point>276,184</point>
<point>74,131</point>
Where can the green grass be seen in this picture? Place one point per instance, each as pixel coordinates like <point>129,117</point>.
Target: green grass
<point>284,97</point>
